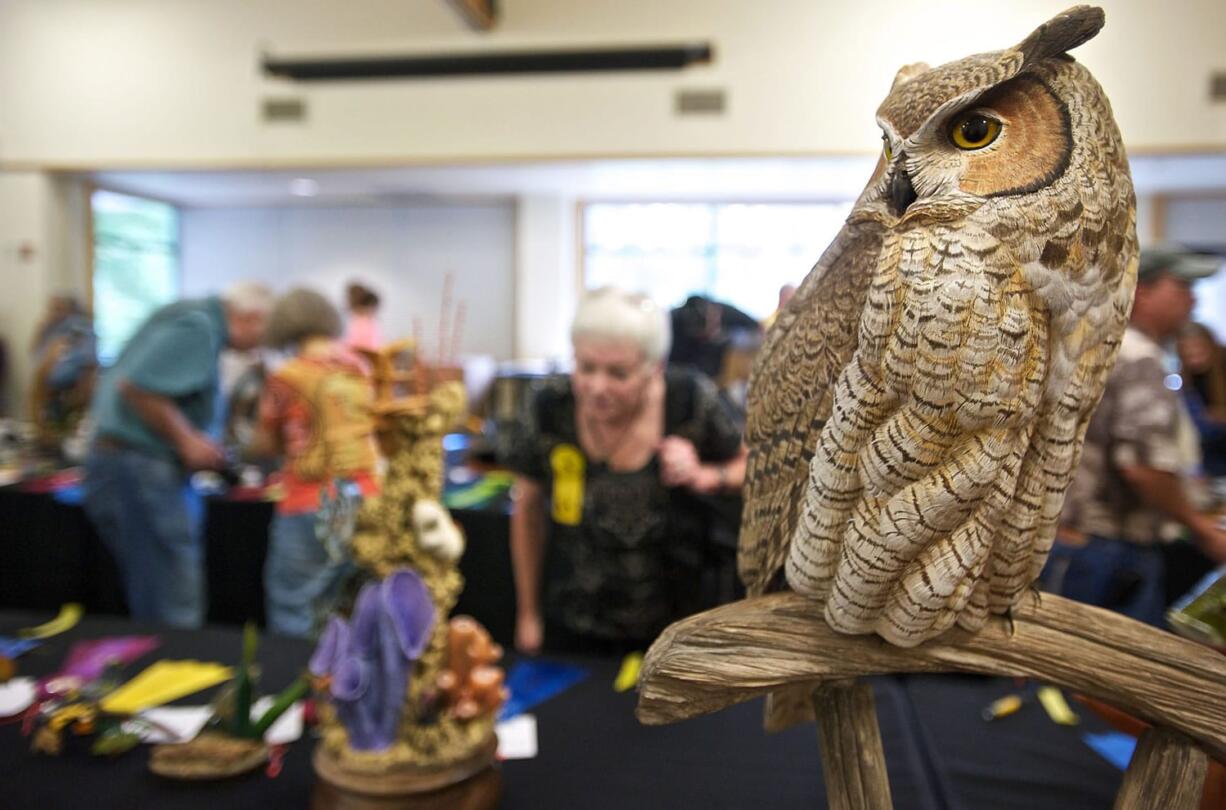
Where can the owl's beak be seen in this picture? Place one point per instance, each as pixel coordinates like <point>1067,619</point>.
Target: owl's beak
<point>902,193</point>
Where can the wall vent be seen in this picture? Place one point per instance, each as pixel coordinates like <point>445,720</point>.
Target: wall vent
<point>1217,86</point>
<point>701,102</point>
<point>284,110</point>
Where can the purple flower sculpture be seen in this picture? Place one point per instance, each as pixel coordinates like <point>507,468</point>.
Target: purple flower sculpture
<point>369,656</point>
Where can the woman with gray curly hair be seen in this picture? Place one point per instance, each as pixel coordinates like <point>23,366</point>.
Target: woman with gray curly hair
<point>316,411</point>
<point>614,472</point>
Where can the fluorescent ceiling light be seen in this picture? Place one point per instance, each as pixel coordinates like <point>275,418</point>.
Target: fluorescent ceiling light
<point>304,187</point>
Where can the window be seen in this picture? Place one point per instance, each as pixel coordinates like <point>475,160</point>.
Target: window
<point>738,254</point>
<point>136,265</point>
<point>1210,294</point>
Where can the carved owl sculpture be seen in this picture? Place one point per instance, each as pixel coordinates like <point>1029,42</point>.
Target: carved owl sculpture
<point>918,408</point>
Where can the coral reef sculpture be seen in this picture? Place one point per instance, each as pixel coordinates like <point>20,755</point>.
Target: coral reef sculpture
<point>471,682</point>
<point>410,700</point>
<point>367,659</point>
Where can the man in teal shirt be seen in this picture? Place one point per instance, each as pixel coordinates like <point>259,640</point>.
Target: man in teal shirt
<point>151,411</point>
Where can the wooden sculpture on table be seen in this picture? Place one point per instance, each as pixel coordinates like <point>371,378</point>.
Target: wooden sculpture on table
<point>413,697</point>
<point>910,446</point>
<point>233,742</point>
<point>918,409</point>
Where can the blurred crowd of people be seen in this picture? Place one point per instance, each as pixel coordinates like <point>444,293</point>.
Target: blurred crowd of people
<point>154,419</point>
<point>627,470</point>
<point>1134,489</point>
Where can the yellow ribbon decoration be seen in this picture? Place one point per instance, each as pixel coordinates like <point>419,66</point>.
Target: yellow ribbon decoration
<point>67,619</point>
<point>1057,707</point>
<point>569,472</point>
<point>628,676</point>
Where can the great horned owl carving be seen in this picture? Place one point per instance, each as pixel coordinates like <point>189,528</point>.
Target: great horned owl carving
<point>919,406</point>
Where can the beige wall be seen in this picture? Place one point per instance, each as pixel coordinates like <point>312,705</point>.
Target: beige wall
<point>151,82</point>
<point>43,247</point>
<point>25,276</point>
<point>403,252</point>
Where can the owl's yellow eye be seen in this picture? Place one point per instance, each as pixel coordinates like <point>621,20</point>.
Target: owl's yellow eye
<point>974,131</point>
<point>885,144</point>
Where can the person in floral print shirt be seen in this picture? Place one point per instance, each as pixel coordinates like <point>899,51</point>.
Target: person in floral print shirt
<point>316,413</point>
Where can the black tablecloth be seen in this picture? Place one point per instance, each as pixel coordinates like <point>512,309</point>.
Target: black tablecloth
<point>50,555</point>
<point>78,780</point>
<point>1019,762</point>
<point>594,755</point>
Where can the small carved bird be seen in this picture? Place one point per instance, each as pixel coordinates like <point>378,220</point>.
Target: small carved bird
<point>919,405</point>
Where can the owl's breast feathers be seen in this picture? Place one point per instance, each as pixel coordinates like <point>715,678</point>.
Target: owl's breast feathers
<point>952,433</point>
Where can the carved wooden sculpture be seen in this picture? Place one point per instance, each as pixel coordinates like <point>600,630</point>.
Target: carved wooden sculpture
<point>918,407</point>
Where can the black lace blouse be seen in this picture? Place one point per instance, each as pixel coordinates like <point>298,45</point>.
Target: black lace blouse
<point>624,552</point>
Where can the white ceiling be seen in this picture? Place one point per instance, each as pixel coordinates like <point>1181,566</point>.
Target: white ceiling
<point>740,179</point>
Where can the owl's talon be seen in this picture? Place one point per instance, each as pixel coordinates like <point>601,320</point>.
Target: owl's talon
<point>1037,593</point>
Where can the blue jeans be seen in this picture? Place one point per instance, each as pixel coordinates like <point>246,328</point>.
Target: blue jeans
<point>1120,576</point>
<point>301,581</point>
<point>150,519</point>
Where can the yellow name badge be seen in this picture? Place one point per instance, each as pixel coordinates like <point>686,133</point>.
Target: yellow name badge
<point>569,471</point>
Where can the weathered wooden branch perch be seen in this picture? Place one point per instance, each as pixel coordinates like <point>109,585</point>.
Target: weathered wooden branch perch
<point>853,758</point>
<point>739,651</point>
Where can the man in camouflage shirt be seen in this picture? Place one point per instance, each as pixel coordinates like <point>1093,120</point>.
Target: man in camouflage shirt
<point>1128,494</point>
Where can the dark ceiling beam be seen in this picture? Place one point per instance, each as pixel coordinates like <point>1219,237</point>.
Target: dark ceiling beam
<point>479,14</point>
<point>486,63</point>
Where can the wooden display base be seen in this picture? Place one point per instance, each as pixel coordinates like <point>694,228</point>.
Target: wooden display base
<point>470,784</point>
<point>209,756</point>
<point>781,642</point>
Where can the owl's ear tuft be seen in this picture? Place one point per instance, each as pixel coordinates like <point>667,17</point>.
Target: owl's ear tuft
<point>1062,33</point>
<point>908,72</point>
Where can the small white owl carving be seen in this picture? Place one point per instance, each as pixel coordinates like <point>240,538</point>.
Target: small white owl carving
<point>436,532</point>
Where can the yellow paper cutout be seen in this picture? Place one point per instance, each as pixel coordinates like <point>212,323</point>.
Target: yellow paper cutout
<point>1057,708</point>
<point>69,615</point>
<point>569,471</point>
<point>163,682</point>
<point>628,676</point>
<point>1001,707</point>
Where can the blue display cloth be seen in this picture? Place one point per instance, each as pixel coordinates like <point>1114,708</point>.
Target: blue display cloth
<point>13,647</point>
<point>1114,747</point>
<point>533,682</point>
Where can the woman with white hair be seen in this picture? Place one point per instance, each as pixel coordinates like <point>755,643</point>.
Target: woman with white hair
<point>610,472</point>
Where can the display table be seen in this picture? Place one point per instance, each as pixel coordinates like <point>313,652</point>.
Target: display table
<point>594,755</point>
<point>50,555</point>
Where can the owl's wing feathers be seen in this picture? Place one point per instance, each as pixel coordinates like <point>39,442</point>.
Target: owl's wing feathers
<point>790,395</point>
<point>940,472</point>
<point>1091,334</point>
